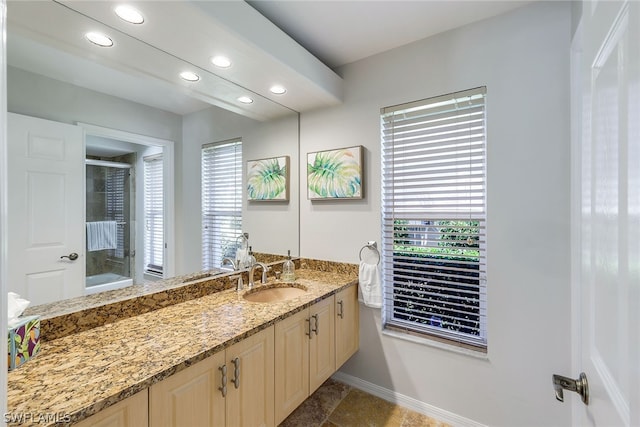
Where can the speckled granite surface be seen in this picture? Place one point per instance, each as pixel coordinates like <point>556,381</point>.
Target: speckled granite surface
<point>90,301</point>
<point>82,373</point>
<point>75,315</point>
<point>328,266</point>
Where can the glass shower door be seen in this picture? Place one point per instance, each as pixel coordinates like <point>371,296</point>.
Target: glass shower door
<point>109,213</point>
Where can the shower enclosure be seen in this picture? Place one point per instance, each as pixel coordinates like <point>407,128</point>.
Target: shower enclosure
<point>109,216</point>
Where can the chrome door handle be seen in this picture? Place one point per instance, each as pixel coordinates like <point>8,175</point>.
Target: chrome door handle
<point>223,388</point>
<point>308,333</point>
<point>580,386</point>
<point>315,317</point>
<point>72,256</point>
<point>236,372</point>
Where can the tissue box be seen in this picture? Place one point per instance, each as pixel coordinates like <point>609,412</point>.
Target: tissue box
<point>24,341</point>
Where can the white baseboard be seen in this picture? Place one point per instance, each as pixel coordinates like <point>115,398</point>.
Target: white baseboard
<point>406,401</point>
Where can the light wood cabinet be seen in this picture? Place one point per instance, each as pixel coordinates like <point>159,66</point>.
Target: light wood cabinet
<point>130,412</point>
<point>250,400</point>
<point>347,315</point>
<point>291,363</point>
<point>304,355</point>
<point>195,397</point>
<point>191,397</point>
<point>257,382</point>
<point>322,353</point>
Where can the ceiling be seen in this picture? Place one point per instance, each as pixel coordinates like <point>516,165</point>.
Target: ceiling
<point>297,44</point>
<point>340,32</point>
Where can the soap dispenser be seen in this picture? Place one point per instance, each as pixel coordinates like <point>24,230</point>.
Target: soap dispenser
<point>242,251</point>
<point>288,269</point>
<point>250,258</point>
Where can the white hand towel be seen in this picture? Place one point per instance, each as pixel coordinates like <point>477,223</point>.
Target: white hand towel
<point>102,235</point>
<point>370,285</point>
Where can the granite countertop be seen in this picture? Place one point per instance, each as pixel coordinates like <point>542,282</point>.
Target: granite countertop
<point>149,287</point>
<point>62,318</point>
<point>80,374</point>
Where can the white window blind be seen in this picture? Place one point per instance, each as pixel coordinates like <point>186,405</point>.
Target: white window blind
<point>433,218</point>
<point>153,214</point>
<point>221,201</point>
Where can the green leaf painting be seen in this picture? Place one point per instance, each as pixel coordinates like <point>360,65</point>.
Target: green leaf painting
<point>335,174</point>
<point>267,179</point>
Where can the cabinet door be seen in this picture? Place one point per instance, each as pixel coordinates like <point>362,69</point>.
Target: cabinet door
<point>291,363</point>
<point>322,356</point>
<point>131,412</point>
<point>250,364</point>
<point>190,398</point>
<point>347,324</point>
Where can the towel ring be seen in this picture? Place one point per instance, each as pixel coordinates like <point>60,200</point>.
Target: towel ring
<point>372,246</point>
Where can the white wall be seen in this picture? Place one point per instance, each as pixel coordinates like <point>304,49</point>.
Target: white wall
<point>260,140</point>
<point>523,59</point>
<point>35,95</point>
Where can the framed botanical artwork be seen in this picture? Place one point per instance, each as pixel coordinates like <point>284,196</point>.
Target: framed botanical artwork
<point>268,179</point>
<point>335,174</point>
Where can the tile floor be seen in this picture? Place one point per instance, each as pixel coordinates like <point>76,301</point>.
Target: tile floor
<point>336,404</point>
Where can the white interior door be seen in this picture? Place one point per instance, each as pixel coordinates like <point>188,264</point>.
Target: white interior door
<point>45,209</point>
<point>608,243</point>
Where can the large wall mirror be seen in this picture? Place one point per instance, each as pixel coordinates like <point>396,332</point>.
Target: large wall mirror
<point>133,109</point>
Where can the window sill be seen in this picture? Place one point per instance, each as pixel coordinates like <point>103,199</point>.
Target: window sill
<point>478,354</point>
<point>152,276</point>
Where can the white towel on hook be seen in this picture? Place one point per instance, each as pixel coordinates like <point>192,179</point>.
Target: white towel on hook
<point>102,235</point>
<point>370,285</point>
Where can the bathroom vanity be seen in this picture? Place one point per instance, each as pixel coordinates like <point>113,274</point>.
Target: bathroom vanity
<point>218,359</point>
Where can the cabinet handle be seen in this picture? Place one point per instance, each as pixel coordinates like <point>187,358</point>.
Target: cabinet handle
<point>223,389</point>
<point>308,333</point>
<point>315,316</point>
<point>236,372</point>
<point>340,310</point>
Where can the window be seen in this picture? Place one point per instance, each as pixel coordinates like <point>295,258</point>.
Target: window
<point>221,201</point>
<point>153,215</point>
<point>433,218</point>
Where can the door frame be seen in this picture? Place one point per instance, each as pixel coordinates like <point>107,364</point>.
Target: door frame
<point>168,153</point>
<point>575,67</point>
<point>3,203</point>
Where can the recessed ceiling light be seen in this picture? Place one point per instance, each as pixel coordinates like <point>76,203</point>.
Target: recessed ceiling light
<point>277,89</point>
<point>129,14</point>
<point>189,76</point>
<point>221,61</point>
<point>245,100</point>
<point>99,39</point>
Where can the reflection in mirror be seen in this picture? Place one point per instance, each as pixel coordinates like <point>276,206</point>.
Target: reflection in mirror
<point>109,205</point>
<point>118,197</point>
<point>135,91</point>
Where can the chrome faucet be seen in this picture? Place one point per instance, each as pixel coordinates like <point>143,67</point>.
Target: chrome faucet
<point>239,282</point>
<point>229,261</point>
<point>265,268</point>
